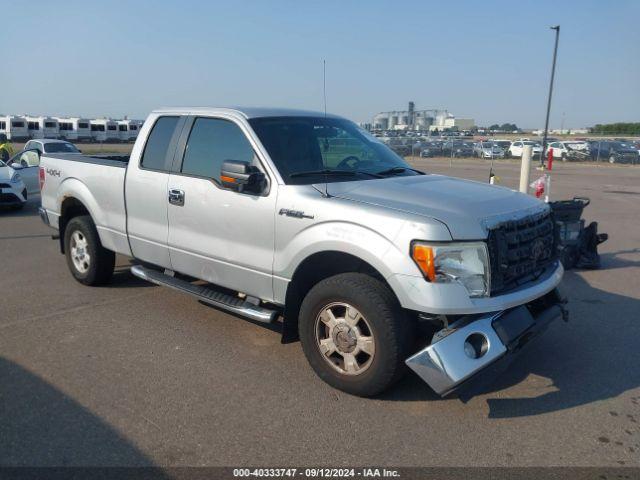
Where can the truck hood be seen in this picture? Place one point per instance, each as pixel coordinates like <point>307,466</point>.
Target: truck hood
<point>466,207</point>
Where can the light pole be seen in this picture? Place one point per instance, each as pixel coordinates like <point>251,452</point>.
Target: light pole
<point>553,73</point>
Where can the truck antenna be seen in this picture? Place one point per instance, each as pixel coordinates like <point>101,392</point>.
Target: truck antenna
<point>324,85</point>
<point>324,94</point>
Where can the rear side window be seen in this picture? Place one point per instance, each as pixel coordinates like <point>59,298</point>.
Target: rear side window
<point>155,152</point>
<point>211,142</point>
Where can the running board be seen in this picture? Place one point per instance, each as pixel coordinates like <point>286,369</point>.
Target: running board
<point>208,295</point>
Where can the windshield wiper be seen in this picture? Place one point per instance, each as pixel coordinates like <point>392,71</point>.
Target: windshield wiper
<point>327,171</point>
<point>394,170</point>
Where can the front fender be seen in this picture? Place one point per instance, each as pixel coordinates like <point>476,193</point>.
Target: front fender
<point>339,236</point>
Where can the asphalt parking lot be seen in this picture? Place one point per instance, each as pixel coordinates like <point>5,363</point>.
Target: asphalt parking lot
<point>134,374</point>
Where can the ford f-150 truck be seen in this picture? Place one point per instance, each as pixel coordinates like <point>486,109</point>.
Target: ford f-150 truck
<point>304,218</point>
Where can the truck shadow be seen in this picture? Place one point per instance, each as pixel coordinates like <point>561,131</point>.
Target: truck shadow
<point>42,426</point>
<point>592,358</point>
<point>123,278</point>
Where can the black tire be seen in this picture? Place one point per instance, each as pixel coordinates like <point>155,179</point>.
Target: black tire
<point>390,327</point>
<point>102,261</point>
<point>563,157</point>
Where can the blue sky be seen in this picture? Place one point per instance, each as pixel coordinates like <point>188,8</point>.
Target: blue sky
<point>487,60</point>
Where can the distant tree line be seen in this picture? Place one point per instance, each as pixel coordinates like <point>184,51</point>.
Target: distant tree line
<point>624,128</point>
<point>505,127</point>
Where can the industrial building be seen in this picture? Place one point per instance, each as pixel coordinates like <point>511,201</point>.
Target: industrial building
<point>422,120</point>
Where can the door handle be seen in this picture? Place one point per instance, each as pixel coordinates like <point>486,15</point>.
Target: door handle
<point>176,197</point>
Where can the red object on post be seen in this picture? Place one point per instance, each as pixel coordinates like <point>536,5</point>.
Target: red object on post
<point>550,158</point>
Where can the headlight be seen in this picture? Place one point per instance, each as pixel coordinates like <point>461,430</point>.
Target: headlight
<point>16,178</point>
<point>463,263</point>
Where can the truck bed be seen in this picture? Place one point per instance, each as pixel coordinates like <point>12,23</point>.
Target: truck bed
<point>97,181</point>
<point>110,160</point>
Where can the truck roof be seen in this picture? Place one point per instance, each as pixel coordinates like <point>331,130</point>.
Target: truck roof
<point>246,112</point>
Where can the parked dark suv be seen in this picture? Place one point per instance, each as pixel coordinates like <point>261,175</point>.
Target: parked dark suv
<point>614,152</point>
<point>457,149</point>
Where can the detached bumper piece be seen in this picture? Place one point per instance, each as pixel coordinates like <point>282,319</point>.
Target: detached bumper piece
<point>475,350</point>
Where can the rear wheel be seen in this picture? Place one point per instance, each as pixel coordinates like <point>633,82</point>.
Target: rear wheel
<point>89,262</point>
<point>354,333</point>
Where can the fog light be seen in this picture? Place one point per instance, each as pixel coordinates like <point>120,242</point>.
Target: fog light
<point>476,345</point>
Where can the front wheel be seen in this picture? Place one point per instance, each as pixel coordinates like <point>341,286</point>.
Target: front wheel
<point>89,262</point>
<point>354,334</point>
<point>612,159</point>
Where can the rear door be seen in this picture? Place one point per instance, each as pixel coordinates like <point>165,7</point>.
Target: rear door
<point>146,192</point>
<point>215,234</point>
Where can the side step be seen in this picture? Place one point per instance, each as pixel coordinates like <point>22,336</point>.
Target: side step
<point>208,295</point>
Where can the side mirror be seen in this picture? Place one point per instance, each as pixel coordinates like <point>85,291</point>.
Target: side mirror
<point>241,176</point>
<point>16,166</point>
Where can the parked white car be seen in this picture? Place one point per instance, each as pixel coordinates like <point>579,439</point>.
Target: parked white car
<point>516,148</point>
<point>13,192</point>
<point>564,150</point>
<point>49,145</point>
<point>27,164</point>
<point>488,150</point>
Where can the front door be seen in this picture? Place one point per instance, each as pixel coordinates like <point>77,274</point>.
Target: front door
<point>215,234</point>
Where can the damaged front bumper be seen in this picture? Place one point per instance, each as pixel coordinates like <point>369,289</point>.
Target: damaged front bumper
<point>474,350</point>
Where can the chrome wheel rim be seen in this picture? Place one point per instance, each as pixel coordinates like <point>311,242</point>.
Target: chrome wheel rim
<point>345,338</point>
<point>79,252</point>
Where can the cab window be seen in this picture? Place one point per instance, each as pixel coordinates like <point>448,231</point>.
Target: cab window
<point>156,155</point>
<point>211,142</point>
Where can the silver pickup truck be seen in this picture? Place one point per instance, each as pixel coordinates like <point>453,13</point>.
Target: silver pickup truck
<point>304,218</point>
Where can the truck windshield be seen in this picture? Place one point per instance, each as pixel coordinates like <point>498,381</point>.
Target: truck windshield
<point>305,149</point>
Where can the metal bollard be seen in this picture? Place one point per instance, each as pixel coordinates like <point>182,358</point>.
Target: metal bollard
<point>525,168</point>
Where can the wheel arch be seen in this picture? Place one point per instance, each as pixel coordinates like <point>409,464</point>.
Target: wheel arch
<point>70,208</point>
<point>74,198</point>
<point>313,269</point>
